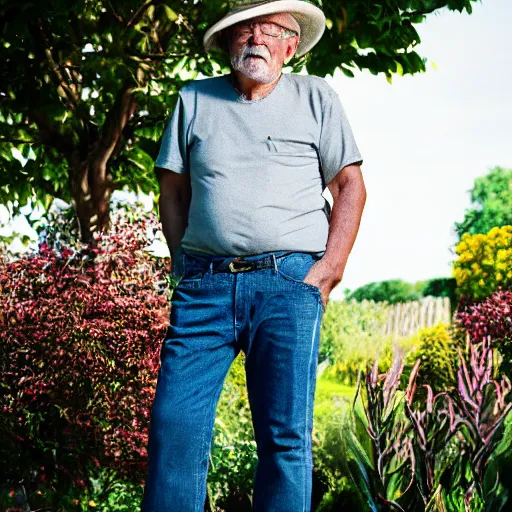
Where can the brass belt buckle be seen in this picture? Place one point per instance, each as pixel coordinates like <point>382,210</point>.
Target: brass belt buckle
<point>234,268</point>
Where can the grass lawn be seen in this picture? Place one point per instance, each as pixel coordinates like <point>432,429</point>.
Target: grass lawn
<point>331,395</point>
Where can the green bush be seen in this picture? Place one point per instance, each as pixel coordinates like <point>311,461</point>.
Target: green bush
<point>436,350</point>
<point>330,456</point>
<point>391,291</point>
<point>351,336</point>
<point>395,290</point>
<point>491,198</point>
<point>106,490</point>
<point>233,455</point>
<point>442,287</point>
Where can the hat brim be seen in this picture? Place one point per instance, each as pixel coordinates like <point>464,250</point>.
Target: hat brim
<point>310,18</point>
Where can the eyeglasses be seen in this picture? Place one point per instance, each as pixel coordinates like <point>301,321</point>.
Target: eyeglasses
<point>267,28</point>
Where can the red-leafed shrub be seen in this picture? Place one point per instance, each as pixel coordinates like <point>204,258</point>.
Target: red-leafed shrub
<point>492,318</point>
<point>80,333</point>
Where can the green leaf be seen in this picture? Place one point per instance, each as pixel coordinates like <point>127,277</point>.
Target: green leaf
<point>347,72</point>
<point>171,15</point>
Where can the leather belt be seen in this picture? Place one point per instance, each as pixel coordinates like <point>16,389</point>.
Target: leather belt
<point>236,264</point>
<point>240,264</point>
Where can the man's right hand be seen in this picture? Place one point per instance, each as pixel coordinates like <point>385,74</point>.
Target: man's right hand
<point>174,204</point>
<point>177,263</point>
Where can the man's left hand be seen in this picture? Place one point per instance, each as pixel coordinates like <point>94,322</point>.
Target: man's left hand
<point>322,275</point>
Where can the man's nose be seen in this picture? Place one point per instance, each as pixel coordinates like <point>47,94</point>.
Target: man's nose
<point>257,35</point>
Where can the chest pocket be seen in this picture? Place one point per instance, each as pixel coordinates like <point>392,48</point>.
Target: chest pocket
<point>291,148</point>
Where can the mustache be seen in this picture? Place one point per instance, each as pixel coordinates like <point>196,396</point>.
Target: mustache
<point>260,51</point>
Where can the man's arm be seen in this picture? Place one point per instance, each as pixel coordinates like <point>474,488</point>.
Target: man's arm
<point>349,197</point>
<point>173,204</point>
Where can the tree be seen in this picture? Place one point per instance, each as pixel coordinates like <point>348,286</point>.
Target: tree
<point>87,86</point>
<point>491,198</point>
<point>396,290</point>
<point>392,291</point>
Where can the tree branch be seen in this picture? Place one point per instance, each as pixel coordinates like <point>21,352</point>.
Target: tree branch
<point>160,56</point>
<point>20,141</point>
<point>50,136</point>
<point>423,12</point>
<point>140,12</point>
<point>55,68</point>
<point>115,13</point>
<point>115,122</point>
<point>154,36</point>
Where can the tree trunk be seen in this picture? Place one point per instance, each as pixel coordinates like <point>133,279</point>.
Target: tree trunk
<point>90,184</point>
<point>90,194</point>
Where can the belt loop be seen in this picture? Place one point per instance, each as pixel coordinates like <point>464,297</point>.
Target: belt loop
<point>275,261</point>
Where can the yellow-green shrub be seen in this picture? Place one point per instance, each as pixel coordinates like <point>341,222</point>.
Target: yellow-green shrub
<point>356,354</point>
<point>233,455</point>
<point>438,354</point>
<point>351,335</point>
<point>484,263</point>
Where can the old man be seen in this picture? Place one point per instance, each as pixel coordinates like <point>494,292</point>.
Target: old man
<point>243,162</point>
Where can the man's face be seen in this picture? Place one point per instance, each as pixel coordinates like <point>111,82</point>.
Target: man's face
<point>259,56</point>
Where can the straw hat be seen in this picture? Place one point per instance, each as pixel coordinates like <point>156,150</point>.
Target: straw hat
<point>310,18</point>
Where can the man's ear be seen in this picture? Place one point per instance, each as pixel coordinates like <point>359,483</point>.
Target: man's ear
<point>291,50</point>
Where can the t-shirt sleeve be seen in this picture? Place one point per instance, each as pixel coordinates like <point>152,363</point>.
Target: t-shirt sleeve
<point>337,147</point>
<point>173,152</point>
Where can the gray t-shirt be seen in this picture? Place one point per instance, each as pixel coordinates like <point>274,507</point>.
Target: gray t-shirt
<point>258,168</point>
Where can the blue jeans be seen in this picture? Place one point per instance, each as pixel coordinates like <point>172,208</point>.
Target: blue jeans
<point>274,317</point>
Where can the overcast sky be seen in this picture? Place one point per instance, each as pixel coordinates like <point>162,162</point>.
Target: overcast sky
<point>424,140</point>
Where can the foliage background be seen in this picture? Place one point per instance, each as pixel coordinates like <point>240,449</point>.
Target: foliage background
<point>87,86</point>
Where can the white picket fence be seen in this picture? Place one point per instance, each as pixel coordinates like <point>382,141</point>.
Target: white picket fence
<point>406,318</point>
<point>403,319</point>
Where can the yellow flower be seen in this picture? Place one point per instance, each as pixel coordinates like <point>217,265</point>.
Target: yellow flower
<point>484,261</point>
<point>493,232</point>
<point>502,255</point>
<point>465,257</point>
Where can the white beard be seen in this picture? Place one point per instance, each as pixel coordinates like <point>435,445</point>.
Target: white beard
<point>254,68</point>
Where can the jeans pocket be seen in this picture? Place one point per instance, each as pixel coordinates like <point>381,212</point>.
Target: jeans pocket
<point>192,273</point>
<point>295,267</point>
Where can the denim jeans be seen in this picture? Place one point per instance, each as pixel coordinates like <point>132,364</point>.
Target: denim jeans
<point>274,317</point>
